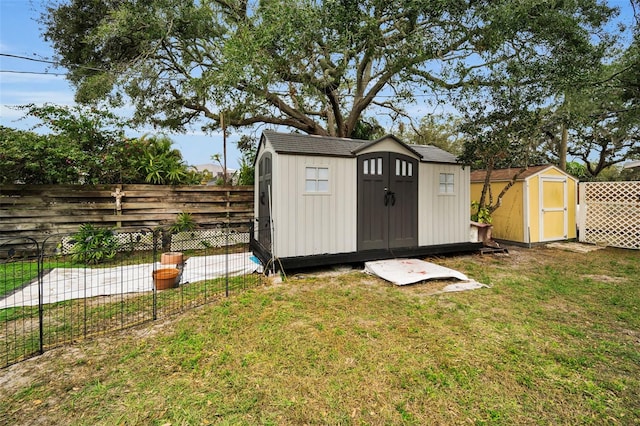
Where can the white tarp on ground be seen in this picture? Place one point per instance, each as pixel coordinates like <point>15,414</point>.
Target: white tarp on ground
<point>411,271</point>
<point>76,283</point>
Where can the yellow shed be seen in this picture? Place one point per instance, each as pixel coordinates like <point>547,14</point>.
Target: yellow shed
<point>539,207</point>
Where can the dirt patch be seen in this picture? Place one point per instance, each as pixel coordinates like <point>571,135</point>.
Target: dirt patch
<point>603,278</point>
<point>24,374</point>
<point>81,356</point>
<point>631,334</point>
<point>427,288</point>
<point>575,247</point>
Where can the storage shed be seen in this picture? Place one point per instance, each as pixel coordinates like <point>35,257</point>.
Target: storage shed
<point>323,200</point>
<point>539,207</point>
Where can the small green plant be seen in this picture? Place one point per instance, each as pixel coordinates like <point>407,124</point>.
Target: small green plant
<point>246,172</point>
<point>94,245</point>
<point>184,222</point>
<point>482,215</point>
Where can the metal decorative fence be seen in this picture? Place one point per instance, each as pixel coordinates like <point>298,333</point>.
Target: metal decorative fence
<point>609,213</point>
<point>62,290</point>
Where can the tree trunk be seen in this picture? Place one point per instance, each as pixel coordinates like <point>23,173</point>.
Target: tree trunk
<point>493,207</point>
<point>562,151</point>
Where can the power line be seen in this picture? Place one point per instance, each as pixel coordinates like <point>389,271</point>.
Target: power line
<point>27,58</point>
<point>47,61</point>
<point>56,74</point>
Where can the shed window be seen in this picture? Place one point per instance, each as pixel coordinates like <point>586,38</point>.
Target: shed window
<point>316,179</point>
<point>372,166</point>
<point>447,185</point>
<point>404,168</point>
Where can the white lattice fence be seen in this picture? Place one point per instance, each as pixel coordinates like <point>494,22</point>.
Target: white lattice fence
<point>610,213</point>
<point>194,240</point>
<point>126,241</point>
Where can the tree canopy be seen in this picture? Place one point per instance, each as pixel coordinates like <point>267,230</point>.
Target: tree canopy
<point>439,131</point>
<point>314,66</point>
<point>598,120</point>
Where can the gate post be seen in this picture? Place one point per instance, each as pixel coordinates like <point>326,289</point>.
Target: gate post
<point>40,263</point>
<point>155,259</point>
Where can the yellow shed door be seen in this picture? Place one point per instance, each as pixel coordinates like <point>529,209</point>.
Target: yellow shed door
<point>553,213</point>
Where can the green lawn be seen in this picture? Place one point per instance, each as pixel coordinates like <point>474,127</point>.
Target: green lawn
<point>14,275</point>
<point>555,340</point>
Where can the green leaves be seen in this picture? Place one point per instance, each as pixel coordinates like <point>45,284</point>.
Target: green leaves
<point>94,245</point>
<point>184,222</point>
<point>87,146</point>
<point>482,213</point>
<point>26,157</point>
<point>162,165</point>
<point>314,66</point>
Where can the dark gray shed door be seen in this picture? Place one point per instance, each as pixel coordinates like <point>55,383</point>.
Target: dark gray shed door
<point>264,198</point>
<point>387,201</point>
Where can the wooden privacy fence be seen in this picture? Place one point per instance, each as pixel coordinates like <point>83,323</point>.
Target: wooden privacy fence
<point>609,213</point>
<point>37,211</point>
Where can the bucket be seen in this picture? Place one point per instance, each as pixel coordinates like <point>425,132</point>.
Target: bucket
<point>165,278</point>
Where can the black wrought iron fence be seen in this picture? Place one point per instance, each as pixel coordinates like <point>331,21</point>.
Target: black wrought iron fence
<point>64,289</point>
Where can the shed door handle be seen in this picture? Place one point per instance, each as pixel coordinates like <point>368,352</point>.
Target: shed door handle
<point>390,197</point>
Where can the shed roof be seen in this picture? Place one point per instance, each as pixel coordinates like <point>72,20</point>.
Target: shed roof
<point>434,154</point>
<point>297,143</point>
<point>367,144</point>
<point>508,174</point>
<point>301,144</point>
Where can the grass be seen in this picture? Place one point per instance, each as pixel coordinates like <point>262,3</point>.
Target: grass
<point>72,320</point>
<point>555,340</point>
<point>14,275</point>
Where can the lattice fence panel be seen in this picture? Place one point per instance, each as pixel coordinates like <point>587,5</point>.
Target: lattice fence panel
<point>196,240</point>
<point>610,213</point>
<point>127,241</point>
<point>193,240</point>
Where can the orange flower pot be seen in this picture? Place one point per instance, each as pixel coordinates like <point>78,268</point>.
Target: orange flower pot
<point>165,278</point>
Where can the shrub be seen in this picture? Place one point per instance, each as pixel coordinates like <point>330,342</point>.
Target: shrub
<point>94,245</point>
<point>184,222</point>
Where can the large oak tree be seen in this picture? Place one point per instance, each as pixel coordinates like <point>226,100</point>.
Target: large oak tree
<point>314,66</point>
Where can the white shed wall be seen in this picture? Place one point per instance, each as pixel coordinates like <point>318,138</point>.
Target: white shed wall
<point>443,218</point>
<point>314,223</point>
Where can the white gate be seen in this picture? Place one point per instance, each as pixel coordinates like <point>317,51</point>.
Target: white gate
<point>609,213</point>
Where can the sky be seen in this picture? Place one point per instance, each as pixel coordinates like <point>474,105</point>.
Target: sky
<point>24,81</point>
<point>20,36</point>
